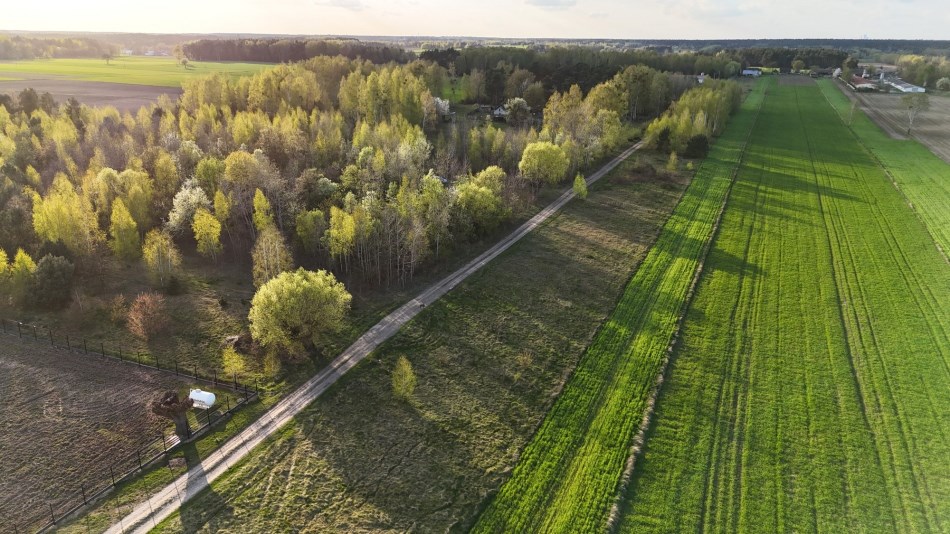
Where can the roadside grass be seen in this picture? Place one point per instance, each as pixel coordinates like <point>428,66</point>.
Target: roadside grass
<point>213,303</point>
<point>920,175</point>
<point>135,70</point>
<point>567,478</point>
<point>490,358</point>
<point>810,388</point>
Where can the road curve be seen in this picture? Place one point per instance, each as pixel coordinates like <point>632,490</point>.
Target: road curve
<point>166,501</point>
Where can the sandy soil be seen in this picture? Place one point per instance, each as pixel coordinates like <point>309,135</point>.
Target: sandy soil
<point>124,97</point>
<point>64,418</point>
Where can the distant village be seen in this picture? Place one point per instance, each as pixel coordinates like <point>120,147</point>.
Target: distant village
<point>872,78</point>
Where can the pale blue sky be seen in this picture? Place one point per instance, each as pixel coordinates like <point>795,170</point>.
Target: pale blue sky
<point>695,19</point>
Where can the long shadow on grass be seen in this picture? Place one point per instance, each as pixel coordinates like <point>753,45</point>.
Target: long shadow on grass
<point>213,511</point>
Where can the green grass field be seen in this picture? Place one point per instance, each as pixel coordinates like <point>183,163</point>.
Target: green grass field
<point>490,357</point>
<point>811,386</point>
<point>921,176</point>
<point>567,477</point>
<point>136,70</point>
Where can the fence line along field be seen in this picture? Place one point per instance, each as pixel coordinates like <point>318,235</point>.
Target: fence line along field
<point>920,175</point>
<point>66,418</point>
<point>567,476</point>
<point>811,385</point>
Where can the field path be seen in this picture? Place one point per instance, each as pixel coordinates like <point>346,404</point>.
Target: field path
<point>166,501</point>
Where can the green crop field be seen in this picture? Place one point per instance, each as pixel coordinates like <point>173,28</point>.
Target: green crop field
<point>921,176</point>
<point>811,386</point>
<point>136,70</point>
<point>567,477</point>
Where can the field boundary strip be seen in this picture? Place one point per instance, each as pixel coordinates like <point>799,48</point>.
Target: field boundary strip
<point>637,446</point>
<point>167,500</point>
<point>566,477</point>
<point>884,167</point>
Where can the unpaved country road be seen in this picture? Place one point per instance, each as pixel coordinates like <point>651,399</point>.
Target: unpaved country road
<point>164,503</point>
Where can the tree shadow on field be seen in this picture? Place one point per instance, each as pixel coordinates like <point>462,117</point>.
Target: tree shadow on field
<point>208,509</point>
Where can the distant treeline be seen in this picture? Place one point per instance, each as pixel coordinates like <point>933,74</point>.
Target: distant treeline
<point>560,67</point>
<point>783,57</point>
<point>31,48</point>
<point>287,50</point>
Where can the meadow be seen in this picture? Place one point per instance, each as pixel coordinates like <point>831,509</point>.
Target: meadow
<point>809,390</point>
<point>567,477</point>
<point>136,70</point>
<point>490,358</point>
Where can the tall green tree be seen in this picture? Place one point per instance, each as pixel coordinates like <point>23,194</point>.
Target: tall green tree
<point>162,258</point>
<point>21,276</point>
<point>125,242</point>
<point>311,226</point>
<point>543,162</point>
<point>207,231</point>
<point>263,214</point>
<point>66,217</point>
<point>297,310</point>
<point>270,256</point>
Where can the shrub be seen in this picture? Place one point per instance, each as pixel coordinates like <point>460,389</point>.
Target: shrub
<point>118,309</point>
<point>404,379</point>
<point>672,163</point>
<point>697,146</point>
<point>52,282</point>
<point>147,315</point>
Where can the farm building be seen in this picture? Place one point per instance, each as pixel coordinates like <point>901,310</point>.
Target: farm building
<point>905,87</point>
<point>752,72</point>
<point>862,84</point>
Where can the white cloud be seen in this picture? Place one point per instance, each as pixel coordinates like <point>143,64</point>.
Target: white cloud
<point>352,5</point>
<point>552,4</point>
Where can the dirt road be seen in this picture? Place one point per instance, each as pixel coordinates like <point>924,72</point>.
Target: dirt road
<point>164,503</point>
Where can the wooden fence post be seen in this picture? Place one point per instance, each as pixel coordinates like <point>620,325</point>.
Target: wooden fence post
<point>19,333</point>
<point>35,337</point>
<point>51,512</point>
<point>112,474</point>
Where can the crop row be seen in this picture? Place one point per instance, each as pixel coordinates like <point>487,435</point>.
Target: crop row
<point>567,477</point>
<point>810,388</point>
<point>920,175</point>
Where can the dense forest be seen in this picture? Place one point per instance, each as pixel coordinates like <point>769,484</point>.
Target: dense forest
<point>288,50</point>
<point>341,163</point>
<point>17,47</point>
